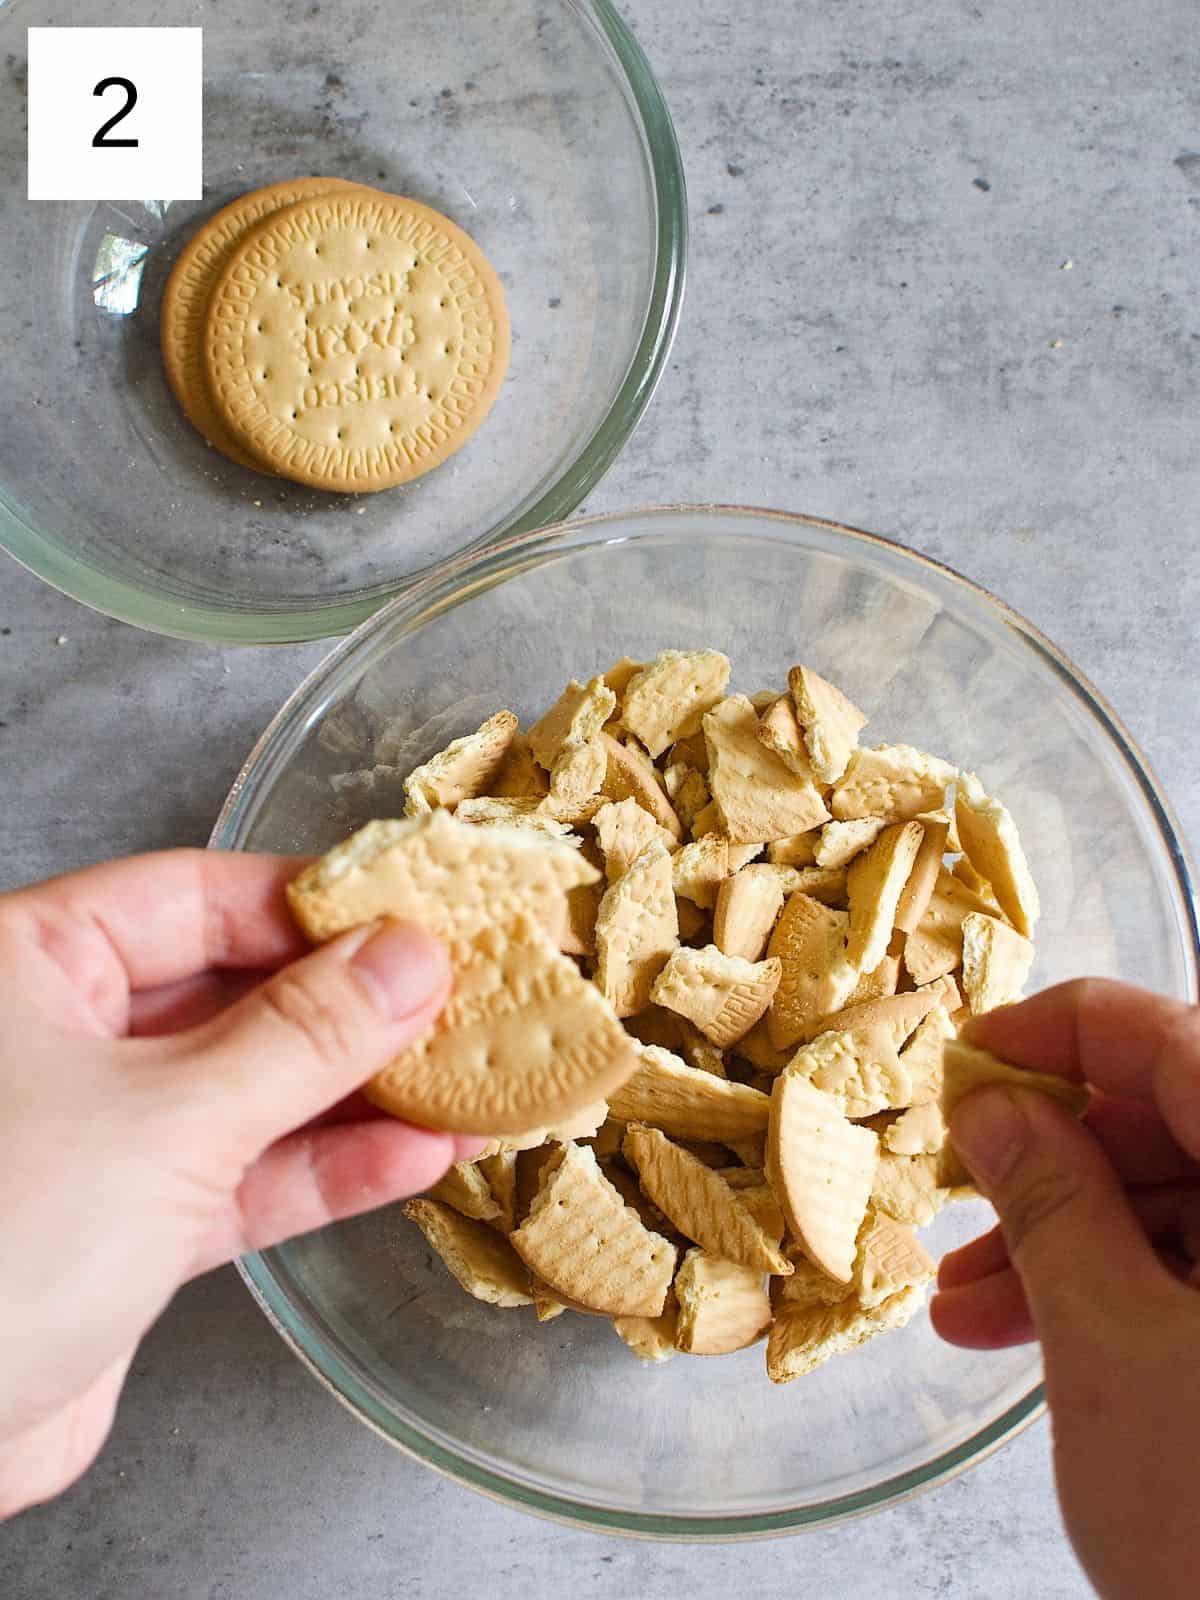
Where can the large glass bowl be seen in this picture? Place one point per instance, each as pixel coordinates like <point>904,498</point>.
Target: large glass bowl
<point>535,124</point>
<point>560,1418</point>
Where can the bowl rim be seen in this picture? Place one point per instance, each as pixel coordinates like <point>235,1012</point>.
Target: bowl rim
<point>441,588</point>
<point>155,611</point>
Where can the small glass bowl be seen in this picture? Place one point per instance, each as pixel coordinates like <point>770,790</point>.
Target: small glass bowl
<point>559,1418</point>
<point>536,125</point>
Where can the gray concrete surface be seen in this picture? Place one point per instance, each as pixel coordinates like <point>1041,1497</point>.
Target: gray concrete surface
<point>881,327</point>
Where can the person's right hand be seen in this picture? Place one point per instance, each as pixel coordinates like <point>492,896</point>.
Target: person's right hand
<point>1097,1256</point>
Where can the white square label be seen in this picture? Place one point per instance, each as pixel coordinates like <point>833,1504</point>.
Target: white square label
<point>115,114</point>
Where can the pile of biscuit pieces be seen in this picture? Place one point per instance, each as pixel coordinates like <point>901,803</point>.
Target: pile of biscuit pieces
<point>710,957</point>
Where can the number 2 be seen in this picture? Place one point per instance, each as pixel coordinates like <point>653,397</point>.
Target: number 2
<point>100,139</point>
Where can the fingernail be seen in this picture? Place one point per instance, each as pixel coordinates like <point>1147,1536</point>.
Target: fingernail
<point>990,1131</point>
<point>467,1146</point>
<point>404,967</point>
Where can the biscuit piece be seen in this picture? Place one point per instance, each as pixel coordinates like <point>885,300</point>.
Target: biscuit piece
<point>966,1067</point>
<point>500,1171</point>
<point>908,1188</point>
<point>861,1072</point>
<point>989,837</point>
<point>996,962</point>
<point>926,869</point>
<point>651,1338</point>
<point>579,1125</point>
<point>747,909</point>
<point>188,292</point>
<point>722,1306</point>
<point>626,1185</point>
<point>810,943</point>
<point>692,752</point>
<point>687,791</point>
<point>629,775</point>
<point>919,1131</point>
<point>821,1167</point>
<point>922,1055</point>
<point>488,812</point>
<point>893,781</point>
<point>797,850</point>
<point>667,699</point>
<point>839,842</point>
<point>756,1048</point>
<point>668,1094</point>
<point>802,1339</point>
<point>780,732</point>
<point>585,1243</point>
<point>829,721</point>
<point>757,796</point>
<point>637,927</point>
<point>579,931</point>
<point>897,1014</point>
<point>523,1039</point>
<point>874,883</point>
<point>700,868</point>
<point>575,779</point>
<point>464,769</point>
<point>723,995</point>
<point>877,984</point>
<point>519,777</point>
<point>618,676</point>
<point>699,1202</point>
<point>698,1051</point>
<point>466,1189</point>
<point>761,1203</point>
<point>576,717</point>
<point>453,879</point>
<point>935,946</point>
<point>481,1259</point>
<point>320,320</point>
<point>808,1286</point>
<point>890,1258</point>
<point>966,875</point>
<point>547,1305</point>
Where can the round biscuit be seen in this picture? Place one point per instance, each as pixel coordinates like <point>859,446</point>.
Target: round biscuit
<point>355,341</point>
<point>189,290</point>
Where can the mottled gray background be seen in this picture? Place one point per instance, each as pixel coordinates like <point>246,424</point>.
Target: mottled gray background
<point>880,327</point>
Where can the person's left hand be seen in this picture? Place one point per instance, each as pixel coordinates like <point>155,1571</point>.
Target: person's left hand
<point>176,1087</point>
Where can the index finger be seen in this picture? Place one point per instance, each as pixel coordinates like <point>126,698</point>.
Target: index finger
<point>1112,1035</point>
<point>124,926</point>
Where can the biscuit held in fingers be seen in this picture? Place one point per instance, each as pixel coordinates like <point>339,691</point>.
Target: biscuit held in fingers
<point>523,1040</point>
<point>452,878</point>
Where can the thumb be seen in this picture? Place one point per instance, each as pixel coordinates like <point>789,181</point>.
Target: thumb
<point>313,1032</point>
<point>1084,1262</point>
